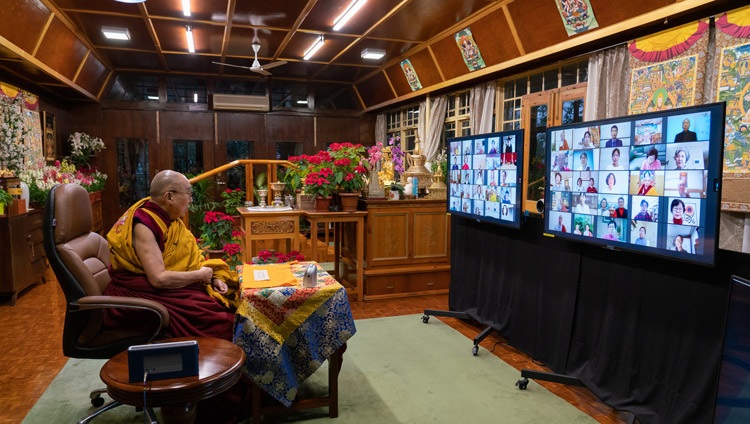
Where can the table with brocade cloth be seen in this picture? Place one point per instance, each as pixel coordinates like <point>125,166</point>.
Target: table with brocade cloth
<point>287,332</point>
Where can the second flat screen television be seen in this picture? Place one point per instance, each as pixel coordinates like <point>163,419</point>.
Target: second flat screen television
<point>647,183</point>
<point>485,177</point>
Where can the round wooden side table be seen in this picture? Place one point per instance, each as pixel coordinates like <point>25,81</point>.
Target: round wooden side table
<point>219,368</point>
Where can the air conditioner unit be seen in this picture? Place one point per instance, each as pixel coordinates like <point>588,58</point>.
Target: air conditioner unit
<point>240,102</point>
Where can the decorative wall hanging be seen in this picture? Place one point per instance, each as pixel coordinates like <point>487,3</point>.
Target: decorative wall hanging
<point>469,50</point>
<point>577,16</point>
<point>668,68</point>
<point>411,75</point>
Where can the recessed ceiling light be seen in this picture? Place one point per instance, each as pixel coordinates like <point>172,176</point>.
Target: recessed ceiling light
<point>186,8</point>
<point>152,97</point>
<point>114,33</point>
<point>301,102</point>
<point>373,54</point>
<point>190,41</point>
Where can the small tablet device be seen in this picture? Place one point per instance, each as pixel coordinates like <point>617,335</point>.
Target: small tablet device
<point>160,361</point>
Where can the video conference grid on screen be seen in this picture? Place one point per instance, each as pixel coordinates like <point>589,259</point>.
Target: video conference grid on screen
<point>484,177</point>
<point>643,182</point>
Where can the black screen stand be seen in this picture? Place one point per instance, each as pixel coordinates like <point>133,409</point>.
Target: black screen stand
<point>460,315</point>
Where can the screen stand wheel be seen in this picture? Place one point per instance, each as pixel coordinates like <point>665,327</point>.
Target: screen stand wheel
<point>460,315</point>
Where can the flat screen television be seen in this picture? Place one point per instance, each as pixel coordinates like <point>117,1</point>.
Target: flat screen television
<point>647,183</point>
<point>733,388</point>
<point>485,173</point>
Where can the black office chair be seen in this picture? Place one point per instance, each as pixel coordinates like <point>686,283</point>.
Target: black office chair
<point>80,259</point>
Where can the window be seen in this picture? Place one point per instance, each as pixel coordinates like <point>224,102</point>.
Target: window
<point>187,156</point>
<point>404,123</point>
<point>132,170</point>
<point>238,149</point>
<point>457,117</point>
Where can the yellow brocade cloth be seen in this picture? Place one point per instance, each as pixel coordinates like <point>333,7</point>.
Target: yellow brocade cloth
<point>287,332</point>
<point>278,275</point>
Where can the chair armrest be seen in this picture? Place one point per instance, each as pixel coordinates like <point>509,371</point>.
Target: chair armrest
<point>106,302</point>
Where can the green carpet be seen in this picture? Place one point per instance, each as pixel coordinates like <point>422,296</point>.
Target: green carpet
<point>395,370</point>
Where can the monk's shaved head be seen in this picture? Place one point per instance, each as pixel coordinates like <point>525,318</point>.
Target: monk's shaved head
<point>168,180</point>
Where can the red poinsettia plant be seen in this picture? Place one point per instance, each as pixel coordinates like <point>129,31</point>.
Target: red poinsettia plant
<point>340,168</point>
<point>274,257</point>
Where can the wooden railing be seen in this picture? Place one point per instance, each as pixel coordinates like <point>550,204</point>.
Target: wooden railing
<point>271,175</point>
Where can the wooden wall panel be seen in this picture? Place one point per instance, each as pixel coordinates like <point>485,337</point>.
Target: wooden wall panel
<point>538,23</point>
<point>295,128</point>
<point>398,79</point>
<point>93,75</point>
<point>451,62</point>
<point>426,68</point>
<point>607,15</point>
<point>367,130</point>
<point>494,38</point>
<point>375,90</point>
<point>186,125</point>
<point>241,126</point>
<point>21,22</point>
<point>337,130</point>
<point>61,50</point>
<point>129,124</point>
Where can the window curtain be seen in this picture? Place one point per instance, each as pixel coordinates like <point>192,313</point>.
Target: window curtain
<point>607,93</point>
<point>380,134</point>
<point>431,141</point>
<point>482,107</point>
<point>422,123</point>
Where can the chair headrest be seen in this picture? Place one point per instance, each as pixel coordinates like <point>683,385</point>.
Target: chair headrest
<point>72,212</point>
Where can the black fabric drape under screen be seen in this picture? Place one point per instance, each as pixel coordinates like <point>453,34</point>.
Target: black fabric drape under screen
<point>643,333</point>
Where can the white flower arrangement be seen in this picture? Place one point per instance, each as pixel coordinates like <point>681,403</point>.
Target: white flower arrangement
<point>13,131</point>
<point>83,146</point>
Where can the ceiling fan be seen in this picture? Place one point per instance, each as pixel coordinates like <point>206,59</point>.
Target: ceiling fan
<point>255,67</point>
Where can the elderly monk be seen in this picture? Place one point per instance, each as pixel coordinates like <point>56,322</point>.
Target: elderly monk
<point>155,256</point>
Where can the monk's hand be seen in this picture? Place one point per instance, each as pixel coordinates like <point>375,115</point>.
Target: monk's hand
<point>219,285</point>
<point>205,274</point>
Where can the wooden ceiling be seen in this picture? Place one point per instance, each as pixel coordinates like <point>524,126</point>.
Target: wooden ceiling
<point>56,47</point>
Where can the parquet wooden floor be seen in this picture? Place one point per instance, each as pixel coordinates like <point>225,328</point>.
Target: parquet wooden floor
<point>31,334</point>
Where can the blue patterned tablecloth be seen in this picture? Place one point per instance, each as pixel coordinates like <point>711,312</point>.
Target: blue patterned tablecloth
<point>288,332</point>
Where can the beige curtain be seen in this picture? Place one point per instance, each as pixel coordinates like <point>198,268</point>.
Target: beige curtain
<point>380,132</point>
<point>435,123</point>
<point>482,98</point>
<point>608,84</point>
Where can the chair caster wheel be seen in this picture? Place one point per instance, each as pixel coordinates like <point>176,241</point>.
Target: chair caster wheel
<point>522,383</point>
<point>425,319</point>
<point>97,401</point>
<point>475,350</point>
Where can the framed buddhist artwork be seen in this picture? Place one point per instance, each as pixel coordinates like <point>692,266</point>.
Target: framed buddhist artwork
<point>50,136</point>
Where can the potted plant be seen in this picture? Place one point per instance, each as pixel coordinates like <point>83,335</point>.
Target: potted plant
<point>83,146</point>
<point>217,229</point>
<point>348,173</point>
<point>5,200</point>
<point>232,199</point>
<point>274,257</point>
<point>395,190</point>
<point>202,203</point>
<point>232,254</point>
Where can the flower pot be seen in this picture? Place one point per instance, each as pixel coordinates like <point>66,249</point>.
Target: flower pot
<point>322,203</point>
<point>214,254</point>
<point>348,201</point>
<point>394,194</point>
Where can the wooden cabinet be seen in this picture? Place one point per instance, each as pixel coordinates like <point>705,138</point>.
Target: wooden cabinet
<point>22,258</point>
<point>407,248</point>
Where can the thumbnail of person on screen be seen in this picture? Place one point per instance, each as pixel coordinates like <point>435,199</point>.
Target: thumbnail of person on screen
<point>504,179</point>
<point>586,141</point>
<point>681,157</point>
<point>581,206</point>
<point>611,182</point>
<point>685,134</point>
<point>493,148</point>
<point>563,142</point>
<point>677,245</point>
<point>620,211</point>
<point>646,187</point>
<point>651,162</point>
<point>615,165</point>
<point>492,182</point>
<point>454,205</point>
<point>491,195</point>
<point>587,230</point>
<point>677,208</point>
<point>604,207</point>
<point>506,197</point>
<point>505,210</point>
<point>579,184</point>
<point>584,166</point>
<point>641,240</point>
<point>643,215</point>
<point>591,188</point>
<point>558,185</point>
<point>614,141</point>
<point>577,230</point>
<point>611,232</point>
<point>465,166</point>
<point>560,226</point>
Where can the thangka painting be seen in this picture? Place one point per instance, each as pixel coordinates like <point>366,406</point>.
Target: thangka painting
<point>577,16</point>
<point>469,50</point>
<point>733,75</point>
<point>663,86</point>
<point>668,68</point>
<point>31,119</point>
<point>411,75</point>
